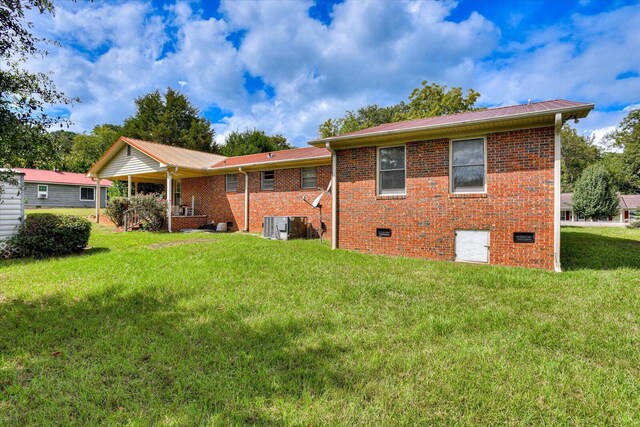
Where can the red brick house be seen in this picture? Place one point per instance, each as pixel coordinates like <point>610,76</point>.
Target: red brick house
<point>482,186</point>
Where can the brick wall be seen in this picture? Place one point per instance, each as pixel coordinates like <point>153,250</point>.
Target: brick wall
<point>519,198</point>
<point>211,198</point>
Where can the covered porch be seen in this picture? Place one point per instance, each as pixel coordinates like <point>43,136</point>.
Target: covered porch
<point>136,162</point>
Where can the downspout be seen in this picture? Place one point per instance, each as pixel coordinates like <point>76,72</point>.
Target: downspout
<point>334,197</point>
<point>246,199</point>
<point>557,159</point>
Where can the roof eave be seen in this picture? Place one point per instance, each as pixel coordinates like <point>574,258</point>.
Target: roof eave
<point>279,164</point>
<point>579,113</point>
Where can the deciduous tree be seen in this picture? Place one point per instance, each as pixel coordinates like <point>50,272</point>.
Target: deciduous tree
<point>428,100</point>
<point>578,152</point>
<point>24,96</point>
<point>252,142</point>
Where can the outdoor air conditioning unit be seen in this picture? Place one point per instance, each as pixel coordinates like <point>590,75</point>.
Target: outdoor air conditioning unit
<point>42,196</point>
<point>284,227</point>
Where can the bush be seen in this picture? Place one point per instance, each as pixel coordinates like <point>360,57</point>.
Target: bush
<point>594,195</point>
<point>46,235</point>
<point>116,209</point>
<point>634,224</point>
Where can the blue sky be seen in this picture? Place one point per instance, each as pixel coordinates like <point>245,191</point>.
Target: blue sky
<point>286,66</point>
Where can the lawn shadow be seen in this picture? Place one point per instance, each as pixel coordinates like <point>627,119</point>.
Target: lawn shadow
<point>582,250</point>
<point>143,356</point>
<point>87,252</point>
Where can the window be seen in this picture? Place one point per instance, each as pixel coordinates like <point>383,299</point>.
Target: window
<point>87,194</point>
<point>268,179</point>
<point>309,177</point>
<point>468,166</point>
<point>177,193</point>
<point>128,150</point>
<point>391,170</point>
<point>232,183</point>
<point>43,191</point>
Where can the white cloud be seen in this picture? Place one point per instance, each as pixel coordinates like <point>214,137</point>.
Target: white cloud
<point>371,52</point>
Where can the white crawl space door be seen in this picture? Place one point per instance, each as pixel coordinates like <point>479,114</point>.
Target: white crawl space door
<point>472,245</point>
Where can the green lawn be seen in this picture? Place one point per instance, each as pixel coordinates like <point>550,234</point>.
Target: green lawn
<point>175,329</point>
<point>84,212</point>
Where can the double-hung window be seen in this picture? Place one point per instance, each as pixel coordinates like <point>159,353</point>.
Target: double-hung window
<point>468,168</point>
<point>392,170</point>
<point>232,183</point>
<point>87,194</point>
<point>268,180</point>
<point>43,191</point>
<point>177,193</point>
<point>309,177</point>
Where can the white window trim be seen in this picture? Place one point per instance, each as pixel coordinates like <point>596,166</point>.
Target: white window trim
<point>46,192</point>
<point>177,189</point>
<point>378,190</point>
<point>315,168</point>
<point>262,181</point>
<point>88,200</point>
<point>226,183</point>
<point>486,175</point>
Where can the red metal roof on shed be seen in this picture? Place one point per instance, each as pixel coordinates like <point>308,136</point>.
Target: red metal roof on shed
<point>58,177</point>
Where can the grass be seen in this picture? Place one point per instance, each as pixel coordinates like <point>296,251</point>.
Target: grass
<point>84,212</point>
<point>175,329</point>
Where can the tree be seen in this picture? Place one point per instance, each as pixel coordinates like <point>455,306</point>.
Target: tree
<point>88,148</point>
<point>627,137</point>
<point>172,120</point>
<point>578,152</point>
<point>433,99</point>
<point>429,100</point>
<point>24,96</point>
<point>365,117</point>
<point>252,142</point>
<point>595,196</point>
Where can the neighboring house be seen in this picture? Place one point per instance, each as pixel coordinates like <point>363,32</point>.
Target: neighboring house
<point>629,206</point>
<point>55,189</point>
<point>481,186</point>
<point>11,209</point>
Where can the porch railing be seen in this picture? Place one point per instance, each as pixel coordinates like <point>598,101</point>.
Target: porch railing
<point>131,219</point>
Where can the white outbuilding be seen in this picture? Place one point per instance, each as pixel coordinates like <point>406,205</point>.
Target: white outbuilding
<point>11,208</point>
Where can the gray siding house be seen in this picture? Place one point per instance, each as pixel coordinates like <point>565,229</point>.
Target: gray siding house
<point>55,189</point>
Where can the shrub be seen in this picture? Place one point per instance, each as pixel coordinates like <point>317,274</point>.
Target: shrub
<point>116,209</point>
<point>47,234</point>
<point>594,195</point>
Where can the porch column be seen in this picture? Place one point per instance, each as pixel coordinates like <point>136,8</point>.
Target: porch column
<point>129,187</point>
<point>169,201</point>
<point>98,200</point>
<point>136,188</point>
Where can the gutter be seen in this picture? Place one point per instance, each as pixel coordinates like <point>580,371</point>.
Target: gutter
<point>587,107</point>
<point>246,199</point>
<point>334,197</point>
<point>266,164</point>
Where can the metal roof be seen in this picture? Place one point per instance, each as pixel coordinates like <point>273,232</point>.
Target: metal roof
<point>175,156</point>
<point>627,201</point>
<point>577,109</point>
<point>292,155</point>
<point>58,177</point>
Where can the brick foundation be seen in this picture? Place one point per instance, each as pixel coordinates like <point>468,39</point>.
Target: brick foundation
<point>184,222</point>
